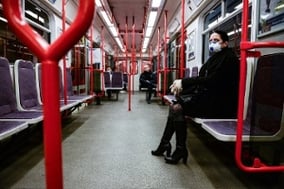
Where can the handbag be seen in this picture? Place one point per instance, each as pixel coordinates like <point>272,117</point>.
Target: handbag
<point>190,95</point>
<point>184,98</point>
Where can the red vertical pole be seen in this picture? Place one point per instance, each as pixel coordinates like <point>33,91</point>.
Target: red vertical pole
<point>158,61</point>
<point>133,55</point>
<point>91,69</point>
<point>102,69</point>
<point>242,84</point>
<point>126,59</point>
<point>165,50</point>
<point>182,49</point>
<point>64,57</point>
<point>102,49</point>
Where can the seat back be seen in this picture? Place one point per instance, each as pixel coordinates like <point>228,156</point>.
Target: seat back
<point>69,83</point>
<point>7,95</point>
<point>268,94</point>
<point>194,72</point>
<point>187,73</point>
<point>107,79</point>
<point>25,85</point>
<point>117,80</point>
<point>38,71</point>
<point>97,81</point>
<point>38,82</point>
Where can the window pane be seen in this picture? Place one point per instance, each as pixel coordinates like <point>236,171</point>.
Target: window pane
<point>231,5</point>
<point>36,14</point>
<point>271,16</point>
<point>212,17</point>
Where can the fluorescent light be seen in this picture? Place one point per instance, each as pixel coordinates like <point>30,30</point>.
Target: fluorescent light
<point>152,18</point>
<point>34,15</point>
<point>3,19</point>
<point>118,42</point>
<point>280,5</point>
<point>145,43</point>
<point>149,31</point>
<point>106,18</point>
<point>239,6</point>
<point>156,3</point>
<point>98,3</point>
<point>113,31</point>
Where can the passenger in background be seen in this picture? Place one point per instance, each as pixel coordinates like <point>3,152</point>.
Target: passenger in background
<point>147,79</point>
<point>212,94</point>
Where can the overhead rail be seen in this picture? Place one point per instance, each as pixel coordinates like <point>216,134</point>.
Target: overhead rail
<point>49,55</point>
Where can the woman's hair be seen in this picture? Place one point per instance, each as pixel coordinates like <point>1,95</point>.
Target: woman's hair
<point>222,34</point>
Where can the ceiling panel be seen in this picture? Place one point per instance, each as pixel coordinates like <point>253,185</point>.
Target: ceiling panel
<point>129,13</point>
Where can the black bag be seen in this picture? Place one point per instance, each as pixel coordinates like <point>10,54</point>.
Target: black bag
<point>184,99</point>
<point>190,95</point>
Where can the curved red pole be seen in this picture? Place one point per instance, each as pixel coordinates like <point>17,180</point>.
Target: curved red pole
<point>49,56</point>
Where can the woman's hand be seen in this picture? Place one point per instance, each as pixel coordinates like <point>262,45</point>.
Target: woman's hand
<point>176,87</point>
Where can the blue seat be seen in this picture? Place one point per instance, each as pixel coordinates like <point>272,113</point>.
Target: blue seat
<point>70,94</point>
<point>8,105</point>
<point>25,86</point>
<point>9,128</point>
<point>113,82</point>
<point>69,103</point>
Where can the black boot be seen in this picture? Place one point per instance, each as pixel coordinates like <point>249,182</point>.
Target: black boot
<point>165,144</point>
<point>181,151</point>
<point>149,95</point>
<point>163,147</point>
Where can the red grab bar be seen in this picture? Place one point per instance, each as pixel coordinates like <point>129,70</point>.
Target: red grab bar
<point>246,45</point>
<point>49,55</point>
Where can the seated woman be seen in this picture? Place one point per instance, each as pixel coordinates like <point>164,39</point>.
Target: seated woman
<point>213,94</point>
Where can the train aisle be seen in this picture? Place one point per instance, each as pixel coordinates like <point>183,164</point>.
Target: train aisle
<point>106,146</point>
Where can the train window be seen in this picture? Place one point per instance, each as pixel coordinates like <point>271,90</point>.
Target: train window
<point>36,15</point>
<point>232,25</point>
<point>10,46</point>
<point>231,6</point>
<point>212,18</point>
<point>271,16</point>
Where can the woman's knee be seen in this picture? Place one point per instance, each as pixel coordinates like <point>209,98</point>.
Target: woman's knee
<point>176,112</point>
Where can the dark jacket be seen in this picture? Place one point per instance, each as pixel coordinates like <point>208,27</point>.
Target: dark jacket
<point>147,79</point>
<point>217,84</point>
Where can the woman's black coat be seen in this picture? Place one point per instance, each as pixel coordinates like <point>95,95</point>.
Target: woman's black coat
<point>217,84</point>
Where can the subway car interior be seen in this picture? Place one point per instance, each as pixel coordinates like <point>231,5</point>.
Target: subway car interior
<point>77,109</point>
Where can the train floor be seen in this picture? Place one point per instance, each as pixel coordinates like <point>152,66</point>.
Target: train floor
<point>107,146</point>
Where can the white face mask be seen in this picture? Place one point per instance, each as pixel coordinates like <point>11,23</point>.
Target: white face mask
<point>214,47</point>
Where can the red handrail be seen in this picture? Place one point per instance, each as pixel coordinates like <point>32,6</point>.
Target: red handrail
<point>49,56</point>
<point>182,49</point>
<point>246,45</point>
<point>165,52</point>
